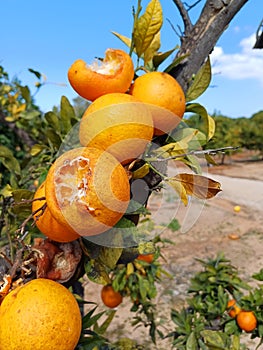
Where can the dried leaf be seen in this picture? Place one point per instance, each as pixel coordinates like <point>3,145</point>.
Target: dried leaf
<point>197,185</point>
<point>147,26</point>
<point>201,82</point>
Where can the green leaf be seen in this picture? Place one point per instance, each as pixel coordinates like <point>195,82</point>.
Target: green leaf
<point>200,83</point>
<point>26,93</point>
<point>160,57</point>
<point>175,63</point>
<point>147,26</point>
<point>30,115</point>
<point>37,74</point>
<point>110,256</point>
<point>216,339</point>
<point>9,161</point>
<point>67,114</point>
<point>53,137</point>
<point>52,120</point>
<point>208,120</point>
<point>191,343</point>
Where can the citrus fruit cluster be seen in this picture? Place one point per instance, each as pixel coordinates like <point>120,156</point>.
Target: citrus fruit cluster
<point>87,189</point>
<point>245,319</point>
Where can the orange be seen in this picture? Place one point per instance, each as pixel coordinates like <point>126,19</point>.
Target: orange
<point>88,189</point>
<point>119,124</point>
<point>47,224</point>
<point>114,74</point>
<point>232,308</point>
<point>41,314</point>
<point>246,320</point>
<point>166,97</point>
<point>146,257</point>
<point>110,297</point>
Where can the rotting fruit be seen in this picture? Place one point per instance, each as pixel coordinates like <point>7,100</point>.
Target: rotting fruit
<point>41,314</point>
<point>88,189</point>
<point>46,222</point>
<point>114,74</point>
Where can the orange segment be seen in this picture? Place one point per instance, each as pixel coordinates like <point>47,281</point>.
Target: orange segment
<point>47,224</point>
<point>165,96</point>
<point>87,189</point>
<point>119,124</point>
<point>114,74</point>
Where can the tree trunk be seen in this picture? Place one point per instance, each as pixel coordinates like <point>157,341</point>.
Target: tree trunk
<point>198,40</point>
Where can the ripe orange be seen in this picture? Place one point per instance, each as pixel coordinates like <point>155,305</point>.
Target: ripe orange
<point>166,97</point>
<point>119,124</point>
<point>146,257</point>
<point>110,297</point>
<point>47,224</point>
<point>88,189</point>
<point>41,314</point>
<point>114,74</point>
<point>246,320</point>
<point>232,308</point>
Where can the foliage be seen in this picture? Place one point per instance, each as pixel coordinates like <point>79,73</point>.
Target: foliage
<point>204,323</point>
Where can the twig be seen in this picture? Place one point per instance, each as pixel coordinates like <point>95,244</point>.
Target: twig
<point>185,16</point>
<point>201,152</point>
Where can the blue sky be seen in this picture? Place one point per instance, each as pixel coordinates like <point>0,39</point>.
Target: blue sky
<point>50,35</point>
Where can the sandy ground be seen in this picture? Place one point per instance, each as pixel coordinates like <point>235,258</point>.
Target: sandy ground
<point>213,224</point>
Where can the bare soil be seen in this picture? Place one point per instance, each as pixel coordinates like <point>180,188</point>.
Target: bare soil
<point>216,228</point>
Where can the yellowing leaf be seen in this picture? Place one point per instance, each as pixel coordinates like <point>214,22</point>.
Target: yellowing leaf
<point>141,172</point>
<point>147,26</point>
<point>200,83</point>
<point>197,185</point>
<point>179,188</point>
<point>152,49</point>
<point>124,39</point>
<point>208,120</point>
<point>176,148</point>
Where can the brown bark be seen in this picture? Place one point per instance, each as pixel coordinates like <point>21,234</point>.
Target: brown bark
<point>198,40</point>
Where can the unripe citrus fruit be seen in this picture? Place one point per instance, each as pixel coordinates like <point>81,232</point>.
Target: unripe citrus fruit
<point>232,308</point>
<point>110,297</point>
<point>87,189</point>
<point>41,314</point>
<point>166,97</point>
<point>113,74</point>
<point>119,124</point>
<point>47,224</point>
<point>247,321</point>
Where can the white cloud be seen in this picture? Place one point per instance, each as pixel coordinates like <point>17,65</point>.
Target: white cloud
<point>246,64</point>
